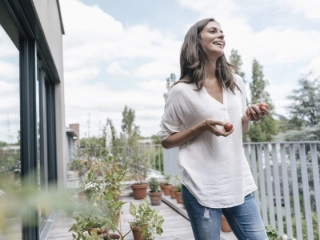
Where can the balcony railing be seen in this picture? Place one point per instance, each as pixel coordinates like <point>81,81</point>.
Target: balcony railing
<point>287,176</point>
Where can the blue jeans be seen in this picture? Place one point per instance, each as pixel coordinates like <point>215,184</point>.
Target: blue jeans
<point>244,220</point>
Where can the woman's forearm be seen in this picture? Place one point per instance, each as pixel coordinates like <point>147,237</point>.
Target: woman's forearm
<point>182,137</point>
<point>245,124</point>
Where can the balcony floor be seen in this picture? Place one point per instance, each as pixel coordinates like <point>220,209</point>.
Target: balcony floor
<point>175,227</point>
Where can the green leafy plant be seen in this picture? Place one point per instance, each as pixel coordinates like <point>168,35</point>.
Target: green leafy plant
<point>176,180</point>
<point>272,232</point>
<point>153,185</point>
<point>167,179</point>
<point>150,221</point>
<point>178,188</point>
<point>102,208</point>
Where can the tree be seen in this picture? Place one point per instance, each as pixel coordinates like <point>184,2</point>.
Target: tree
<point>264,130</point>
<point>306,101</point>
<point>170,81</point>
<point>113,130</point>
<point>128,126</point>
<point>304,121</point>
<point>235,60</point>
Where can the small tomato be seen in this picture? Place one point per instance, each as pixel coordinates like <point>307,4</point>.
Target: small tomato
<point>261,105</point>
<point>228,127</point>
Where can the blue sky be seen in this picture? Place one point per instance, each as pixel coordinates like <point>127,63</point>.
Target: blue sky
<point>119,53</point>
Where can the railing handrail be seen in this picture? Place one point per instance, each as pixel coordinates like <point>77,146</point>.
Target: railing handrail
<point>282,142</point>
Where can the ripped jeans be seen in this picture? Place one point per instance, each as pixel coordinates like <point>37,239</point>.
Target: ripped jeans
<point>244,220</point>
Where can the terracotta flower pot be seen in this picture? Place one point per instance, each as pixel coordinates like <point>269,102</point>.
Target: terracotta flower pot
<point>166,190</point>
<point>178,197</point>
<point>161,186</point>
<point>155,198</point>
<point>110,236</point>
<point>139,190</point>
<point>172,194</point>
<point>99,231</point>
<point>82,196</point>
<point>224,225</point>
<point>137,233</point>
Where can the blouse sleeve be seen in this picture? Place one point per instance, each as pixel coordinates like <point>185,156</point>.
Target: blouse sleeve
<point>172,118</point>
<point>242,86</point>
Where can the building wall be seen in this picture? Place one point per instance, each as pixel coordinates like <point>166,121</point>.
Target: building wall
<point>76,128</point>
<point>48,14</point>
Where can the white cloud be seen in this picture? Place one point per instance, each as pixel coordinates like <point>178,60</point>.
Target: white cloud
<point>279,92</point>
<point>103,103</point>
<point>98,43</point>
<point>309,8</point>
<point>81,76</point>
<point>273,45</point>
<point>100,38</point>
<point>314,67</point>
<point>160,69</point>
<point>153,86</point>
<point>115,69</point>
<point>8,71</point>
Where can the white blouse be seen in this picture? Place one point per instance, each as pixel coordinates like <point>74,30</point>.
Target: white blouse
<point>214,169</point>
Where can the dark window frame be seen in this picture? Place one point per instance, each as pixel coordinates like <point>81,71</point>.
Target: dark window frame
<point>27,34</point>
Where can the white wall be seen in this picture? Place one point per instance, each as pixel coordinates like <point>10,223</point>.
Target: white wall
<point>48,14</point>
<point>49,17</point>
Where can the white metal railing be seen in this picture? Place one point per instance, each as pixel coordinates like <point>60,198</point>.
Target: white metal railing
<point>287,176</point>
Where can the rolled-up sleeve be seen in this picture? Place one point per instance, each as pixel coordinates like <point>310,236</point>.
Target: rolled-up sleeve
<point>172,117</point>
<point>242,86</point>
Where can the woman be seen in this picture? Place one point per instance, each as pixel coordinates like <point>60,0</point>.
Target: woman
<point>216,176</point>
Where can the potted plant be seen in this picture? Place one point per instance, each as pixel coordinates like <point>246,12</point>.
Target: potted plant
<point>139,164</point>
<point>165,185</point>
<point>154,193</point>
<point>177,193</point>
<point>147,222</point>
<point>176,180</point>
<point>100,212</point>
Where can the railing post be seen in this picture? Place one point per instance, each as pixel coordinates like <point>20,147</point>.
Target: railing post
<point>277,188</point>
<point>295,191</point>
<point>286,193</point>
<point>255,171</point>
<point>306,192</point>
<point>316,181</point>
<point>269,185</point>
<point>262,186</point>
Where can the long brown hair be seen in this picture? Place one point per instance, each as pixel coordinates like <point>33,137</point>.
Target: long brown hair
<point>193,56</point>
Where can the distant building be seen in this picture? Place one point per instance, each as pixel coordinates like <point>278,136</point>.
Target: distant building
<point>72,138</point>
<point>76,128</point>
<point>146,142</point>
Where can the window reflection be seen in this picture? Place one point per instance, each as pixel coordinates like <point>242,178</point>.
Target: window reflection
<point>9,130</point>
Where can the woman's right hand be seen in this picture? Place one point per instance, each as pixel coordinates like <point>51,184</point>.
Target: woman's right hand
<point>179,138</point>
<point>212,126</point>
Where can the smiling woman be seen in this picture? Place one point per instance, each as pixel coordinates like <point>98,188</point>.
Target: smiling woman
<point>216,176</point>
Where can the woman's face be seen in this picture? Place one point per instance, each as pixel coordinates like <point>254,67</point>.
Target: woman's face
<point>212,39</point>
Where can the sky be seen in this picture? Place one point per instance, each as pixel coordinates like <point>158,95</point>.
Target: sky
<point>119,53</point>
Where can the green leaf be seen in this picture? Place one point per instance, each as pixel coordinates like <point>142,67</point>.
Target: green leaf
<point>132,209</point>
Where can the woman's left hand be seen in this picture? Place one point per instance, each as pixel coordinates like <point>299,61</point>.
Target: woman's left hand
<point>253,113</point>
